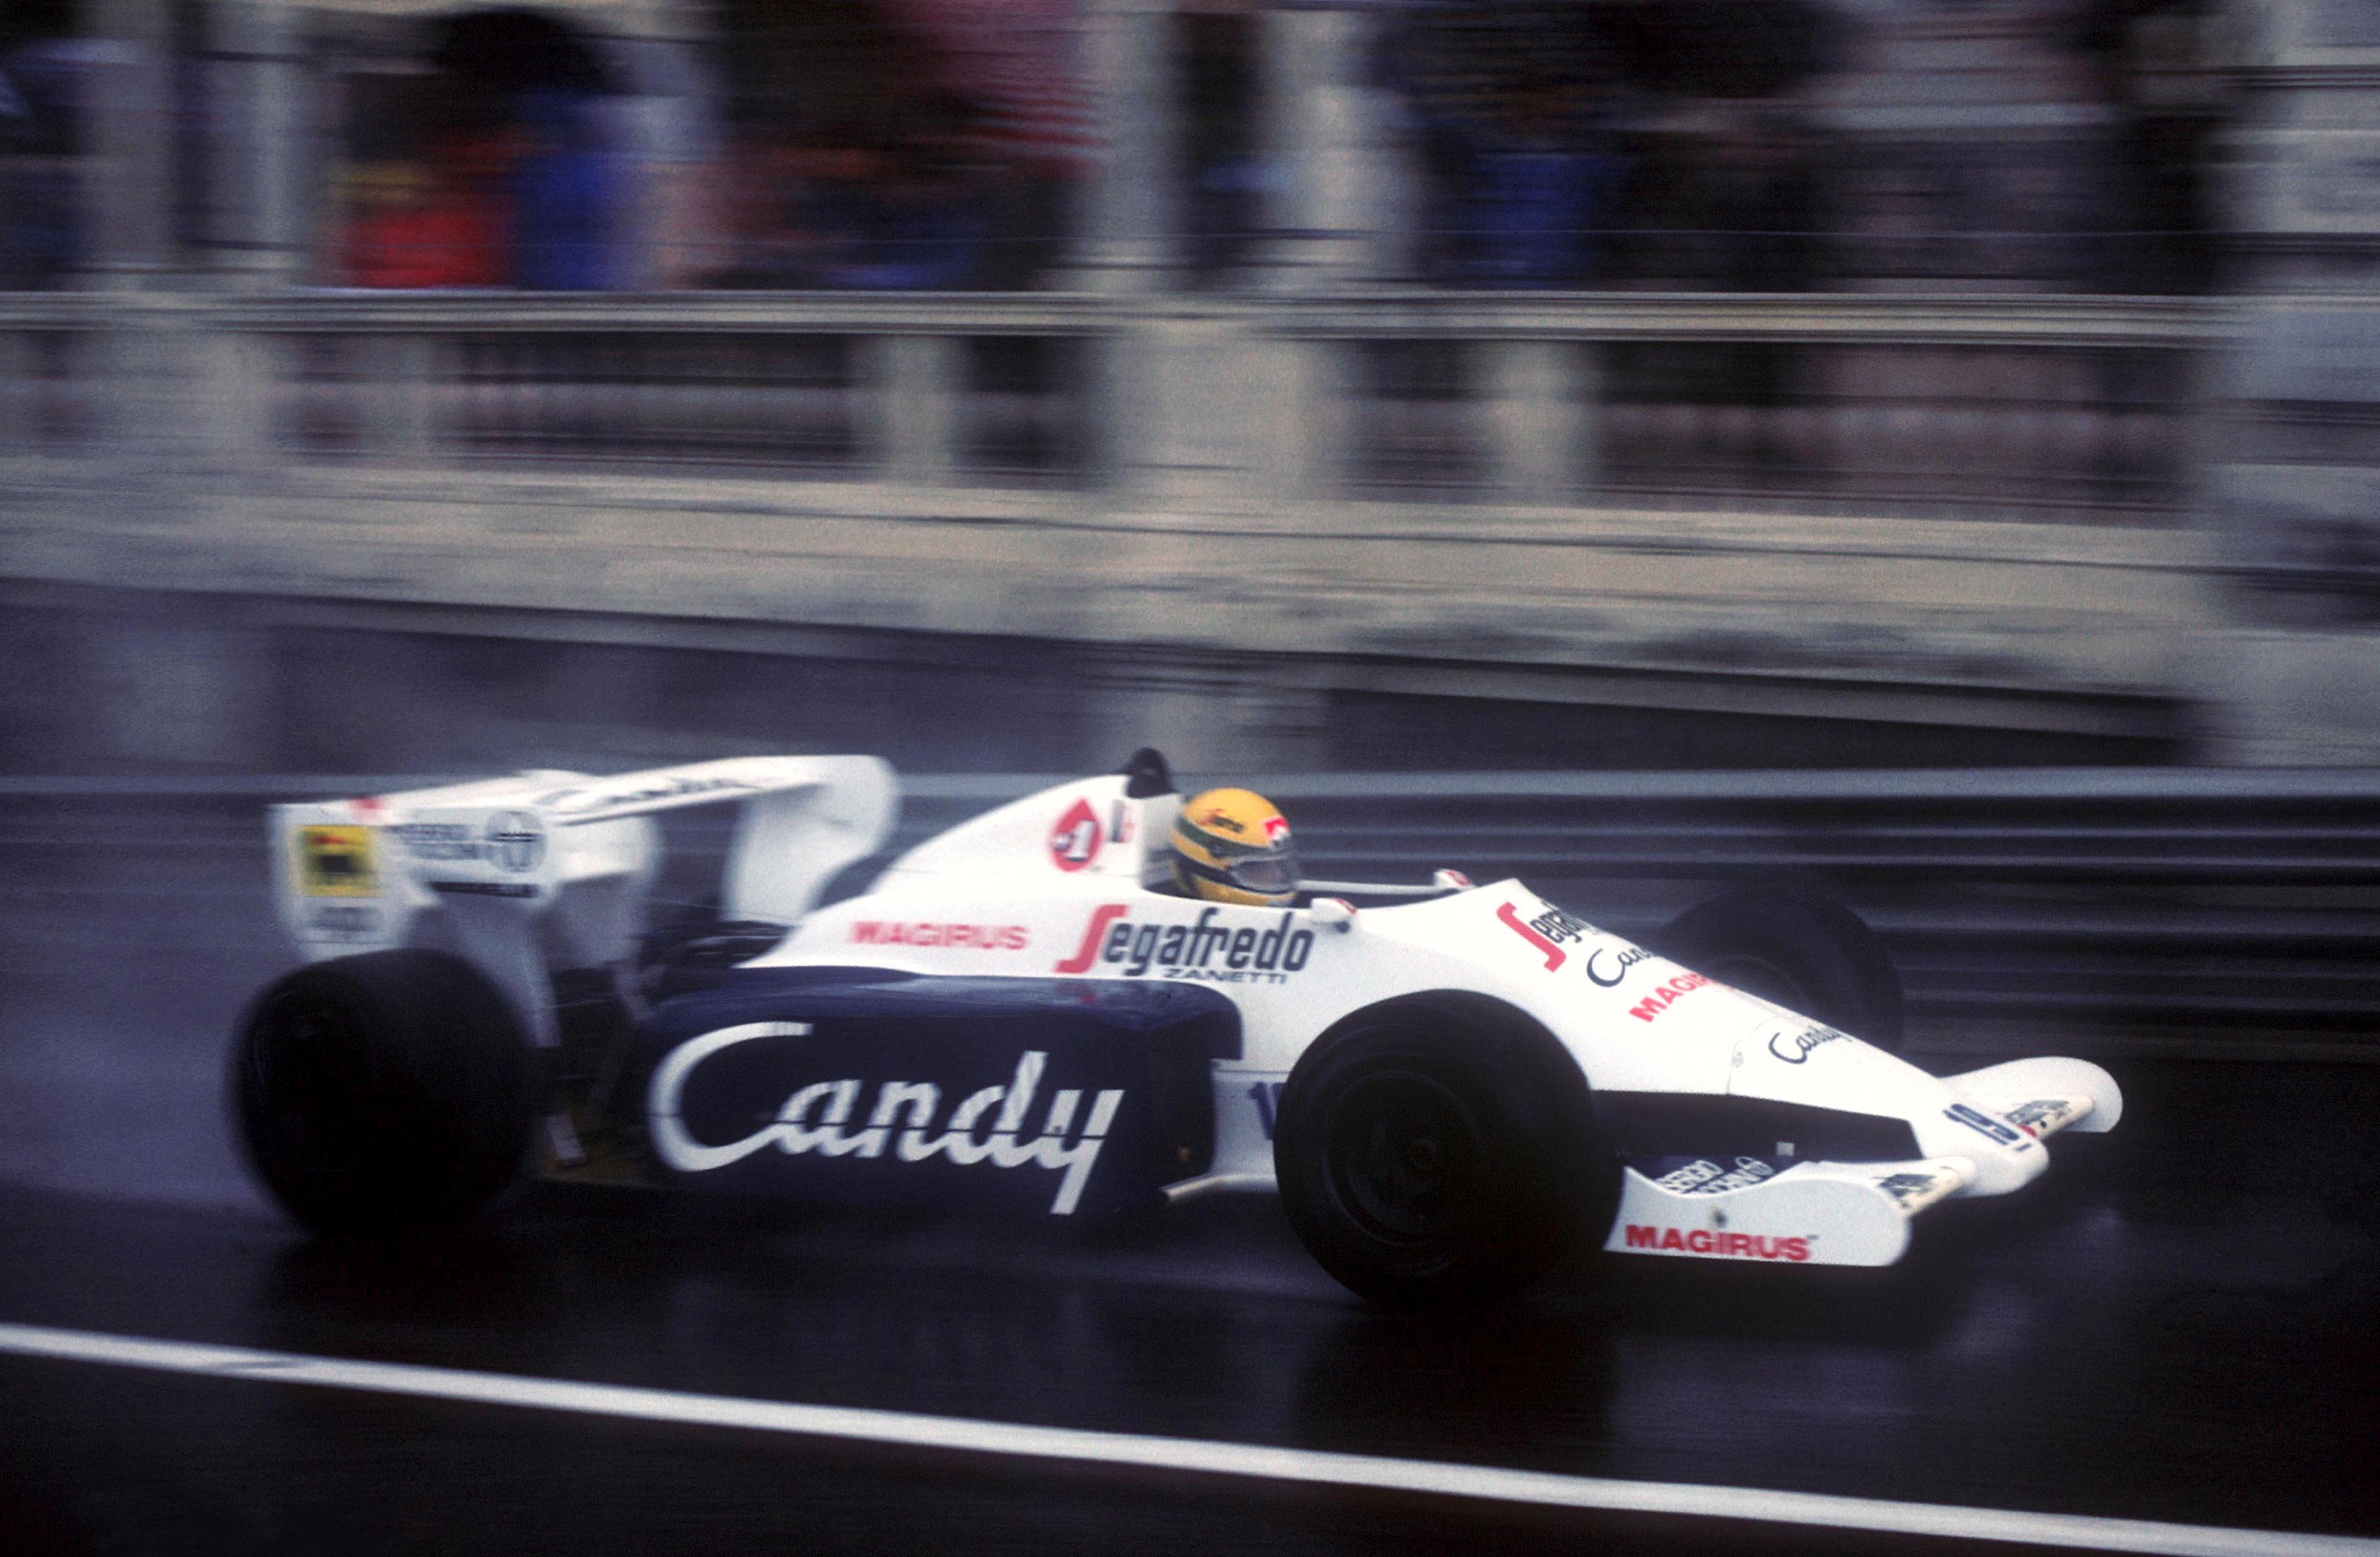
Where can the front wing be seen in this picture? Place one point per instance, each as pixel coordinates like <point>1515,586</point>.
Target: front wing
<point>1784,1211</point>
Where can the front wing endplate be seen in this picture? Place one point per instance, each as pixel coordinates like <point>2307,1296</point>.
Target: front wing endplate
<point>1794,1213</point>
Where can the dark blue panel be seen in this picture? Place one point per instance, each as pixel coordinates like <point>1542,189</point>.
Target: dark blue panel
<point>1050,1095</point>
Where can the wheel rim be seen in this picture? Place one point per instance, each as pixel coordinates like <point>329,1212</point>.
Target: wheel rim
<point>1404,1157</point>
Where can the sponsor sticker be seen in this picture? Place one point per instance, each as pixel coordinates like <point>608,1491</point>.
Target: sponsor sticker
<point>1200,949</point>
<point>1074,843</point>
<point>1915,1189</point>
<point>988,1126</point>
<point>590,802</point>
<point>486,889</point>
<point>1794,1043</point>
<point>511,841</point>
<point>1087,953</point>
<point>515,842</point>
<point>2040,1117</point>
<point>1983,1124</point>
<point>1553,932</point>
<point>1703,1177</point>
<point>336,861</point>
<point>439,841</point>
<point>342,921</point>
<point>1721,1245</point>
<point>1548,931</point>
<point>977,937</point>
<point>1605,967</point>
<point>1663,996</point>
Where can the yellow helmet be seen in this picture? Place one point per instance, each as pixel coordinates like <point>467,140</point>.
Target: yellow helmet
<point>1232,845</point>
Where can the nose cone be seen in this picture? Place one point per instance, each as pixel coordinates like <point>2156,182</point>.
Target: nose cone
<point>2006,1155</point>
<point>1791,1059</point>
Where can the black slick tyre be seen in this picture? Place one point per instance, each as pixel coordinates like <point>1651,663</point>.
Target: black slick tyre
<point>1805,952</point>
<point>1433,1152</point>
<point>382,1092</point>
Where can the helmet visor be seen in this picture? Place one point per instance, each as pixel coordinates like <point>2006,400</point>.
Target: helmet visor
<point>1275,872</point>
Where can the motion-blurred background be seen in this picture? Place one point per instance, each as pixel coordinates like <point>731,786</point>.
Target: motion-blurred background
<point>389,386</point>
<point>1929,449</point>
<point>1585,395</point>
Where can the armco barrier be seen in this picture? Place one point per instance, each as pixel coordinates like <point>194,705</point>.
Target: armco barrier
<point>2215,912</point>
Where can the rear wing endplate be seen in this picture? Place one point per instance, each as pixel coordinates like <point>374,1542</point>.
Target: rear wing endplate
<point>542,871</point>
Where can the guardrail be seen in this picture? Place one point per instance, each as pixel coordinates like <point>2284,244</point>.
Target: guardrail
<point>2207,913</point>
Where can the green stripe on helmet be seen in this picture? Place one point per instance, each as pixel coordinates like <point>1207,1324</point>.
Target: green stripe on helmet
<point>1220,848</point>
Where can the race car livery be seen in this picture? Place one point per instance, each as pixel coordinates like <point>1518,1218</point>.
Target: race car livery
<point>1021,1011</point>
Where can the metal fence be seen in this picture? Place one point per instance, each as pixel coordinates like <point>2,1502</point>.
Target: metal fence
<point>2075,409</point>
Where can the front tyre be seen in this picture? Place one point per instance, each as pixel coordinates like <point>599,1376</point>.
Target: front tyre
<point>1807,953</point>
<point>382,1092</point>
<point>1432,1156</point>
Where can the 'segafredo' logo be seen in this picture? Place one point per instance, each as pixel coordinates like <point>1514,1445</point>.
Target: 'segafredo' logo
<point>1548,931</point>
<point>978,937</point>
<point>1728,1245</point>
<point>813,1119</point>
<point>1663,996</point>
<point>1218,954</point>
<point>1552,931</point>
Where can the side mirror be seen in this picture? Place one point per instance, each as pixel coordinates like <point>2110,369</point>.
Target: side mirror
<point>1332,913</point>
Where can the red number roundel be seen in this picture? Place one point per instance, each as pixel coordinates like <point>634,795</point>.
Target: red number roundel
<point>1075,841</point>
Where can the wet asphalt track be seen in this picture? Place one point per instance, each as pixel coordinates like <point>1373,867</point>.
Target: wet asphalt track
<point>2181,1323</point>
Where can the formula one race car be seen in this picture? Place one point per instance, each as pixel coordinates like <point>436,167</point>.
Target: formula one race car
<point>1446,1092</point>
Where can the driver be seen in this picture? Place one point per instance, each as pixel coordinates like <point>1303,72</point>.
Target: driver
<point>1232,845</point>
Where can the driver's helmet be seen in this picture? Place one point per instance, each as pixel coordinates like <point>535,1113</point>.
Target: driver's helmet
<point>1232,845</point>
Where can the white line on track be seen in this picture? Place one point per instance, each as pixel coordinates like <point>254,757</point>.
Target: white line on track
<point>1205,1456</point>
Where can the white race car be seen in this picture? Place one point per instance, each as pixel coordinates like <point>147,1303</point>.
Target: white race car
<point>1446,1090</point>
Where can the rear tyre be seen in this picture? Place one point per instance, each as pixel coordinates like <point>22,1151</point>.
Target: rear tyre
<point>382,1092</point>
<point>1432,1155</point>
<point>1807,953</point>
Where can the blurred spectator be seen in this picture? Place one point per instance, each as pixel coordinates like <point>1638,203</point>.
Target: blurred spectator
<point>493,170</point>
<point>1553,153</point>
<point>902,144</point>
<point>918,221</point>
<point>1015,60</point>
<point>1222,174</point>
<point>772,240</point>
<point>2168,69</point>
<point>44,79</point>
<point>565,195</point>
<point>1738,206</point>
<point>1543,182</point>
<point>425,200</point>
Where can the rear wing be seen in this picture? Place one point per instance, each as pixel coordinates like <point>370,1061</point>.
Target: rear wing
<point>544,871</point>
